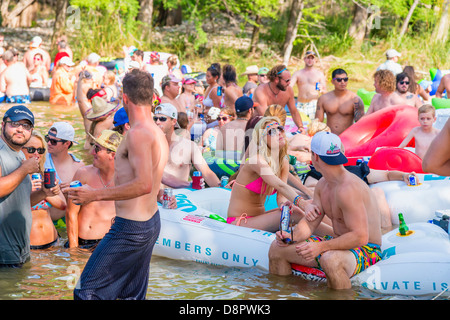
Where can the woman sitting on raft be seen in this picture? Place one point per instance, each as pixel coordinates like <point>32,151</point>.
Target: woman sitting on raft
<point>264,173</point>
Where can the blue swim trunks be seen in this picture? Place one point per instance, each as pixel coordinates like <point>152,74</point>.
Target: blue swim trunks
<point>119,266</point>
<point>18,99</point>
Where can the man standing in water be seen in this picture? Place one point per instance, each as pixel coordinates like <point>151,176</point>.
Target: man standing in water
<point>119,266</point>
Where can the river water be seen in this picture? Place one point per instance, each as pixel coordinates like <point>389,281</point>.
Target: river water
<point>51,274</point>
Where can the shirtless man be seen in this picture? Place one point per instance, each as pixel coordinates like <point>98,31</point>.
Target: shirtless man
<point>182,152</point>
<point>356,223</point>
<point>437,157</point>
<point>119,266</point>
<point>341,106</point>
<point>277,91</point>
<point>306,80</point>
<point>60,139</point>
<point>170,87</point>
<point>384,83</point>
<point>444,85</point>
<point>402,95</point>
<point>15,80</point>
<point>88,224</point>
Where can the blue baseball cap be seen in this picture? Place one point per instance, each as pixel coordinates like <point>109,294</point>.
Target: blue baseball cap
<point>243,104</point>
<point>18,113</point>
<point>120,117</point>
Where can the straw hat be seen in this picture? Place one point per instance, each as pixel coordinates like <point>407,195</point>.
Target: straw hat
<point>101,108</point>
<point>108,139</point>
<point>251,70</point>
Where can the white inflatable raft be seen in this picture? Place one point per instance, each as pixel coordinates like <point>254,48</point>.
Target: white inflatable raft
<point>417,264</point>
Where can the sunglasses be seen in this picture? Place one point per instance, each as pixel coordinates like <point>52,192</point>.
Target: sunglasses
<point>161,119</point>
<point>273,131</point>
<point>404,82</point>
<point>341,79</point>
<point>33,150</point>
<point>53,142</point>
<point>222,118</point>
<point>98,148</point>
<point>16,124</point>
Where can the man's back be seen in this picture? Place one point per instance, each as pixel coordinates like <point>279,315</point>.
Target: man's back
<point>15,77</point>
<point>231,136</point>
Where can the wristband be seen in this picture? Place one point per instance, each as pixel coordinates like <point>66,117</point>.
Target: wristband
<point>297,200</point>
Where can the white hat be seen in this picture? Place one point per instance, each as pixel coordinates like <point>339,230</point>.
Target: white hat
<point>327,146</point>
<point>391,53</point>
<point>167,109</point>
<point>93,58</point>
<point>251,70</point>
<point>133,65</point>
<point>67,61</point>
<point>64,131</point>
<point>36,42</point>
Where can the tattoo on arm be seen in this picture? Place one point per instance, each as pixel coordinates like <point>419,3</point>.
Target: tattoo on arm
<point>359,109</point>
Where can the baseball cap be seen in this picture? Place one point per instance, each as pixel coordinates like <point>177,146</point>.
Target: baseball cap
<point>19,112</point>
<point>243,103</point>
<point>120,117</point>
<point>167,109</point>
<point>189,81</point>
<point>170,78</point>
<point>327,146</point>
<point>64,131</point>
<point>67,61</point>
<point>133,65</point>
<point>109,139</point>
<point>391,53</point>
<point>310,53</point>
<point>263,70</point>
<point>36,42</point>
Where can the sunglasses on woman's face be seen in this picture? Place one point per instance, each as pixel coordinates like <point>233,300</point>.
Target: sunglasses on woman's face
<point>33,150</point>
<point>222,118</point>
<point>273,131</point>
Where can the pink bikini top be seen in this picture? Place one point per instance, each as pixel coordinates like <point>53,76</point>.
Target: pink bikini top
<point>255,186</point>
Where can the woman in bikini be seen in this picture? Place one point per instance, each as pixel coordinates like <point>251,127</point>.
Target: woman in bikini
<point>213,74</point>
<point>43,232</point>
<point>264,173</point>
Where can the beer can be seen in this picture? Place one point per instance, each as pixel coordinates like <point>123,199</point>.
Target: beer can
<point>75,184</point>
<point>285,219</point>
<point>317,86</point>
<point>197,174</point>
<point>36,176</point>
<point>412,180</point>
<point>167,195</point>
<point>49,178</point>
<point>224,181</point>
<point>219,90</point>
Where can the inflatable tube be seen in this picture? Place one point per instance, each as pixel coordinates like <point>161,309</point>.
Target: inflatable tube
<point>417,203</point>
<point>440,103</point>
<point>39,94</point>
<point>415,264</point>
<point>385,127</point>
<point>392,158</point>
<point>366,96</point>
<point>290,126</point>
<point>436,76</point>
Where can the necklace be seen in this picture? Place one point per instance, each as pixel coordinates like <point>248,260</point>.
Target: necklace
<point>275,94</point>
<point>101,180</point>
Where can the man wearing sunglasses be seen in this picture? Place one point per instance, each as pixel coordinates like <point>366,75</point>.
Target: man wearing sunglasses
<point>60,139</point>
<point>311,82</point>
<point>402,94</point>
<point>182,152</point>
<point>341,106</point>
<point>15,187</point>
<point>277,91</point>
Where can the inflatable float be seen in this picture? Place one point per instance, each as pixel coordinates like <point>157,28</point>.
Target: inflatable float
<point>394,158</point>
<point>440,103</point>
<point>385,127</point>
<point>366,96</point>
<point>39,94</point>
<point>417,263</point>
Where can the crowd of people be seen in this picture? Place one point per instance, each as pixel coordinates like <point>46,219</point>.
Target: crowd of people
<point>147,127</point>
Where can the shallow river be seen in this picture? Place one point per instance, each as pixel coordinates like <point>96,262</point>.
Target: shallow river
<point>51,273</point>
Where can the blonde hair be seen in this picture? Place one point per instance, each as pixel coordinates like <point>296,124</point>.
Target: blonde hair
<point>38,135</point>
<point>228,111</point>
<point>386,80</point>
<point>258,145</point>
<point>316,126</point>
<point>427,108</point>
<point>275,110</point>
<point>110,77</point>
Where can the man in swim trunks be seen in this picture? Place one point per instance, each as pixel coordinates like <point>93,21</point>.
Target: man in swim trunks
<point>341,106</point>
<point>345,199</point>
<point>88,224</point>
<point>15,80</point>
<point>306,80</point>
<point>119,266</point>
<point>277,91</point>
